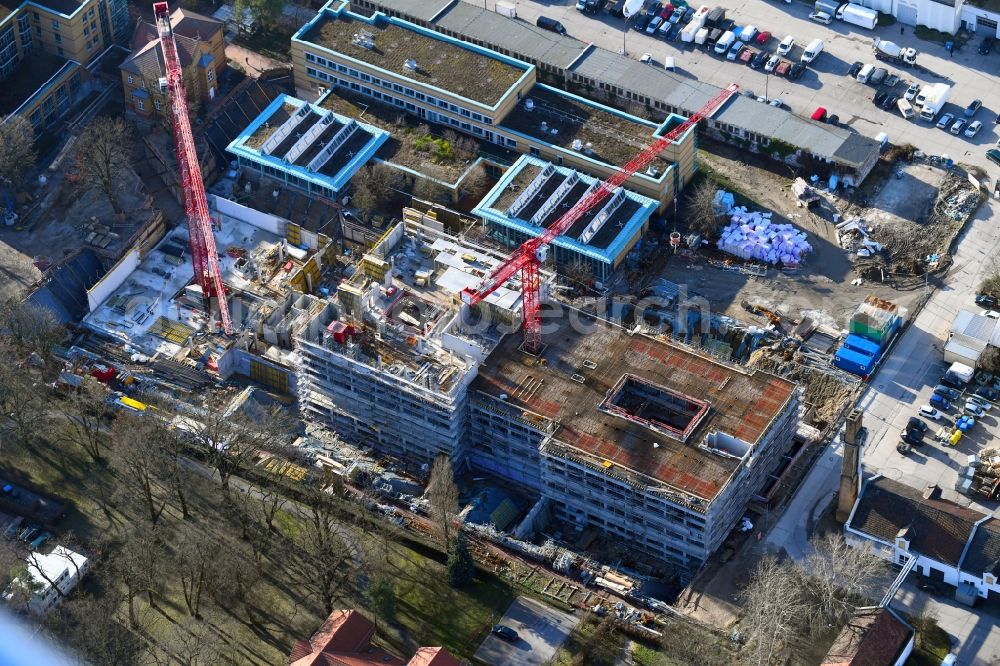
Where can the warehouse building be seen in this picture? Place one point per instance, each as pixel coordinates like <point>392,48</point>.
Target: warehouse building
<point>534,194</point>
<point>640,439</point>
<point>485,94</point>
<point>590,71</point>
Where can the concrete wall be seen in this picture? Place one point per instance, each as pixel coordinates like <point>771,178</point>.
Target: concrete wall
<point>232,210</point>
<point>113,279</point>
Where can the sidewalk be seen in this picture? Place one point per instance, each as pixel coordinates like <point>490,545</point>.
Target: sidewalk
<point>254,63</point>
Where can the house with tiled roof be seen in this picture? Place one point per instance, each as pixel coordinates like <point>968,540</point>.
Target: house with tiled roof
<point>951,543</point>
<point>872,637</point>
<point>345,639</point>
<point>200,48</point>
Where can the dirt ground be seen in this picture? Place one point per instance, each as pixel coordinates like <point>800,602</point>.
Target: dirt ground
<point>823,288</point>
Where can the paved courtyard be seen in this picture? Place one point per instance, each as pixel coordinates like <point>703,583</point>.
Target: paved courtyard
<point>825,83</point>
<point>540,631</point>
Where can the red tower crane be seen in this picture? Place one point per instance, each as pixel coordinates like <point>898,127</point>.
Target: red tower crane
<point>204,257</point>
<point>529,256</point>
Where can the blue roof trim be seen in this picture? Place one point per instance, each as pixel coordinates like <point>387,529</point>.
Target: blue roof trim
<point>237,147</point>
<point>629,232</point>
<point>328,12</point>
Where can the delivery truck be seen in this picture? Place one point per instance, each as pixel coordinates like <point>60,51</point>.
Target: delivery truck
<point>855,14</point>
<point>934,101</point>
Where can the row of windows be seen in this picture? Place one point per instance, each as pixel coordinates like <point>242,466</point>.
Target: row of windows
<point>409,92</point>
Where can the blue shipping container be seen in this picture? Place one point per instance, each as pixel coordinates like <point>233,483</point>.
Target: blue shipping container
<point>862,345</point>
<point>853,362</point>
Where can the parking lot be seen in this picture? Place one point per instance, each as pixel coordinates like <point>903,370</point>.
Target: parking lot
<point>825,82</point>
<point>540,631</point>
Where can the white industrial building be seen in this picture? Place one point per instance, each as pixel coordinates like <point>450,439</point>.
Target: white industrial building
<point>971,334</point>
<point>944,15</point>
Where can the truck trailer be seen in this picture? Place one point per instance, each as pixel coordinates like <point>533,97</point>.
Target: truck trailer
<point>894,53</point>
<point>830,7</point>
<point>855,14</point>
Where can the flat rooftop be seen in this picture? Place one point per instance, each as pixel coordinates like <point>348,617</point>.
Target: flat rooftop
<point>587,371</point>
<point>442,62</point>
<point>66,7</point>
<point>405,130</point>
<point>560,119</point>
<point>534,194</point>
<point>309,142</point>
<point>30,75</point>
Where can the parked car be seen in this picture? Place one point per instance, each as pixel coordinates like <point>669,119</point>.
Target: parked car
<point>929,412</point>
<point>912,437</point>
<point>958,126</point>
<point>795,71</point>
<point>911,92</point>
<point>889,102</point>
<point>855,68</point>
<point>771,63</point>
<point>786,45</point>
<point>777,103</point>
<point>988,393</point>
<point>748,33</point>
<point>821,17</point>
<point>735,50</point>
<point>758,60</point>
<point>983,403</point>
<point>946,392</point>
<point>546,23</point>
<point>879,98</point>
<point>504,632</point>
<point>973,129</point>
<point>646,59</point>
<point>783,67</point>
<point>973,408</point>
<point>641,23</point>
<point>993,155</point>
<point>945,120</point>
<point>746,55</point>
<point>940,402</point>
<point>674,31</point>
<point>653,24</point>
<point>986,45</point>
<point>763,38</point>
<point>973,108</point>
<point>913,423</point>
<point>903,447</point>
<point>987,300</point>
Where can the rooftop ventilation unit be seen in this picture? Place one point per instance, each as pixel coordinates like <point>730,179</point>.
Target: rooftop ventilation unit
<point>410,64</point>
<point>364,39</point>
<point>529,104</point>
<point>577,144</point>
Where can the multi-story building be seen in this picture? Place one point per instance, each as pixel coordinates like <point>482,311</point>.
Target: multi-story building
<point>651,443</point>
<point>45,48</point>
<point>47,579</point>
<point>488,95</point>
<point>202,53</point>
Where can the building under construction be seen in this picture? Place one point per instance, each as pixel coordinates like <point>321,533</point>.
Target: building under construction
<point>653,444</point>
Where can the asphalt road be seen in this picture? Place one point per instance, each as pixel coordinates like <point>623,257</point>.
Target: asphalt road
<point>825,84</point>
<point>540,631</point>
<point>903,384</point>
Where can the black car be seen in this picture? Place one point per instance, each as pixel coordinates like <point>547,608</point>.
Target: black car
<point>833,119</point>
<point>673,32</point>
<point>986,46</point>
<point>758,60</point>
<point>855,68</point>
<point>987,300</point>
<point>912,437</point>
<point>988,393</point>
<point>795,71</point>
<point>550,24</point>
<point>879,98</point>
<point>890,102</point>
<point>913,423</point>
<point>504,632</point>
<point>642,22</point>
<point>951,382</point>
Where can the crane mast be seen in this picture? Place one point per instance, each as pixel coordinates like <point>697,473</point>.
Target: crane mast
<point>529,256</point>
<point>204,256</point>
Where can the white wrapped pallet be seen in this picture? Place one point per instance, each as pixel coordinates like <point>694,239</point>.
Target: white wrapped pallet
<point>752,235</point>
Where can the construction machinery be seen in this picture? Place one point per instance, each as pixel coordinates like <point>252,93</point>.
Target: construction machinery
<point>529,256</point>
<point>204,257</point>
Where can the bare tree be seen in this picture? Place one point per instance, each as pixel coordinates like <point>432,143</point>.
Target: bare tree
<point>175,474</point>
<point>196,556</point>
<point>237,578</point>
<point>772,611</point>
<point>477,182</point>
<point>17,149</point>
<point>84,411</point>
<point>442,494</point>
<point>23,407</point>
<point>702,213</point>
<point>88,623</point>
<point>138,457</point>
<point>320,547</point>
<point>374,187</point>
<point>429,190</point>
<point>29,329</point>
<point>193,643</point>
<point>136,566</point>
<point>104,154</point>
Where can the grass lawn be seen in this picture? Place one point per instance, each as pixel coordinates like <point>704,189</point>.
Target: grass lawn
<point>594,640</point>
<point>275,44</point>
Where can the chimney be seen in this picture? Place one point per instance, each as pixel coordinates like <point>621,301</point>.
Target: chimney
<point>932,492</point>
<point>850,473</point>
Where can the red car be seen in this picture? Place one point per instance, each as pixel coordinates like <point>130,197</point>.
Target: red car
<point>667,11</point>
<point>782,68</point>
<point>763,38</point>
<point>746,55</point>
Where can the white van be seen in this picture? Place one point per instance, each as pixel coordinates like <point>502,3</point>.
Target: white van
<point>865,73</point>
<point>905,108</point>
<point>812,51</point>
<point>725,42</point>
